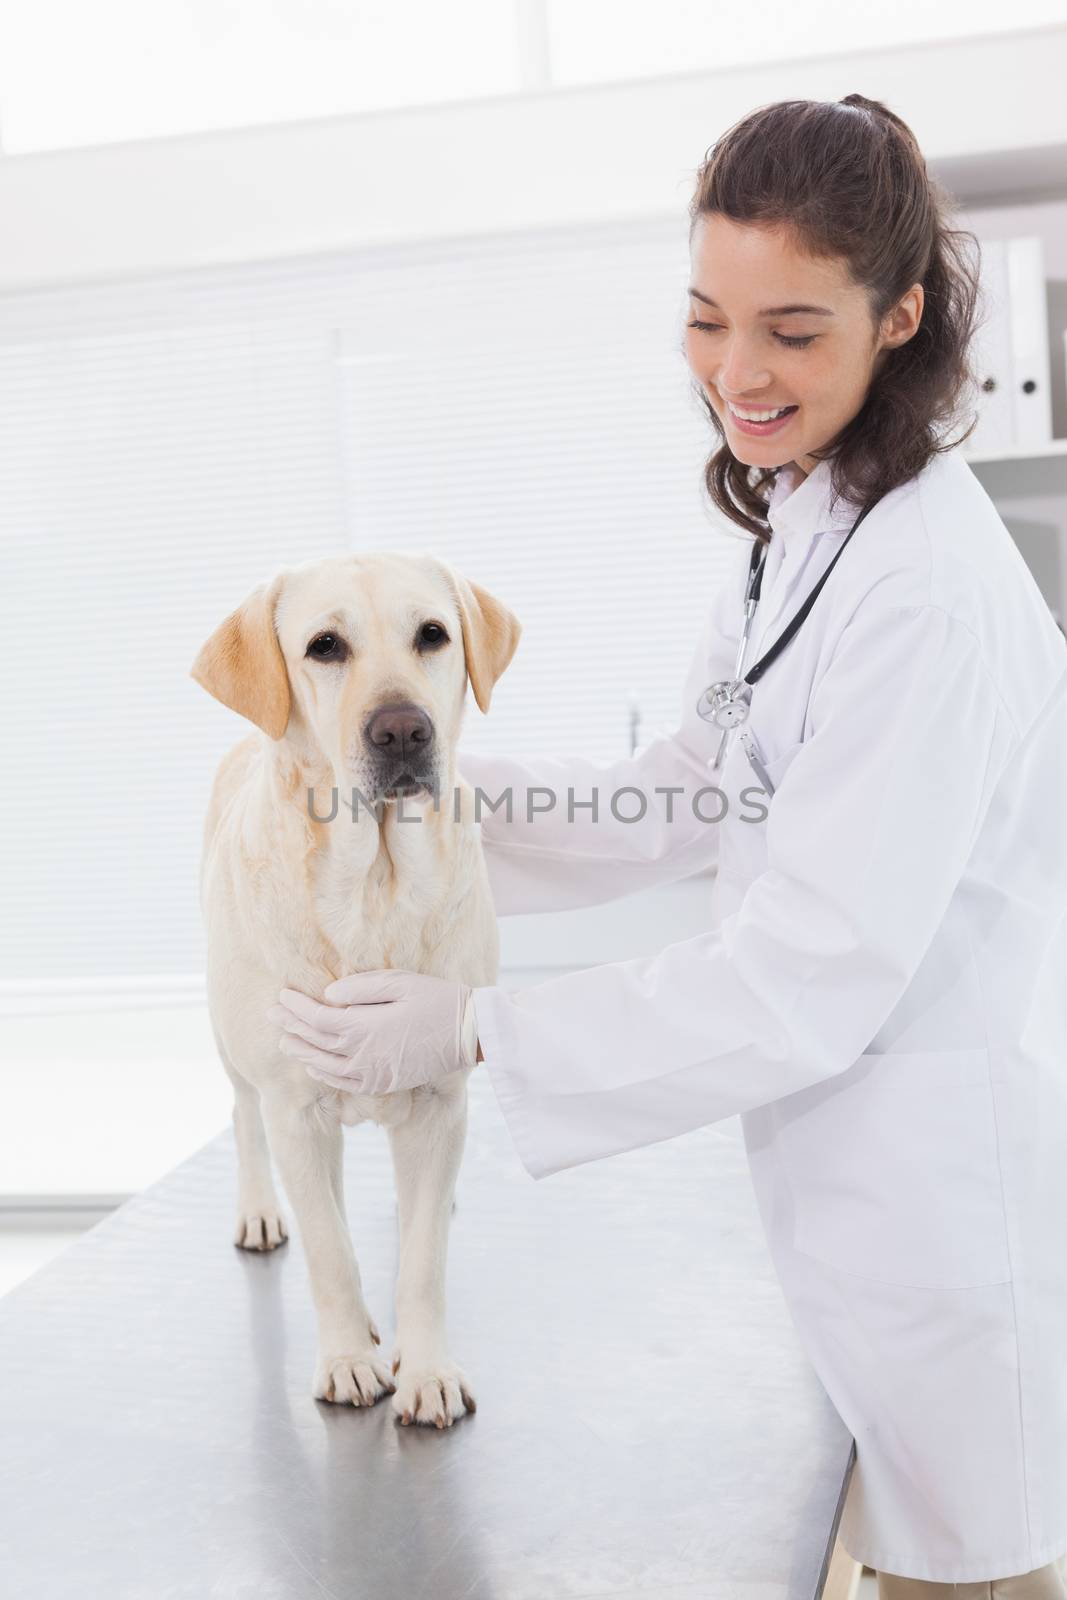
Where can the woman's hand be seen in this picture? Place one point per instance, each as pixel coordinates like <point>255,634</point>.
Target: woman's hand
<point>381,1031</point>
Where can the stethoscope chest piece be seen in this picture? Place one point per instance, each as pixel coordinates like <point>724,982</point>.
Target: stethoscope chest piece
<point>726,703</point>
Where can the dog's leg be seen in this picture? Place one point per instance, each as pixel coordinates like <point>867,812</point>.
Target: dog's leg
<point>337,1184</point>
<point>260,1222</point>
<point>306,1144</point>
<point>427,1150</point>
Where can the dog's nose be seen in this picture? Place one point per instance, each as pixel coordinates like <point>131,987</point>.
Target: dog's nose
<point>399,731</point>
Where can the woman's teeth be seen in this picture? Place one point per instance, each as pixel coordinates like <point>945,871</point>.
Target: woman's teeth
<point>758,416</point>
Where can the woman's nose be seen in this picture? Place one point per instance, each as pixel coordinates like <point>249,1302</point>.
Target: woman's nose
<point>737,371</point>
<point>737,377</point>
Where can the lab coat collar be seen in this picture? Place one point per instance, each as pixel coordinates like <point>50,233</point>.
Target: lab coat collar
<point>799,506</point>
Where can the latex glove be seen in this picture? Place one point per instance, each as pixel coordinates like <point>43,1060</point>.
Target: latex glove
<point>381,1031</point>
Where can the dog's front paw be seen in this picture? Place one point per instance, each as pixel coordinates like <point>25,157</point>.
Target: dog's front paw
<point>260,1230</point>
<point>358,1380</point>
<point>434,1392</point>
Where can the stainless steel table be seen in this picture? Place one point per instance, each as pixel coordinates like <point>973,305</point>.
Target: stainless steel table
<point>647,1426</point>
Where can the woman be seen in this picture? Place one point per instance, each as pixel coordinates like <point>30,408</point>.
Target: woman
<point>883,993</point>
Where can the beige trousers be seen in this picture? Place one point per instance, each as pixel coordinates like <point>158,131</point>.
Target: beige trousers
<point>1044,1583</point>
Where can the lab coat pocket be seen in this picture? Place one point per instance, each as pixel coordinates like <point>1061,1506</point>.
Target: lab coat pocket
<point>894,1170</point>
<point>776,765</point>
<point>743,846</point>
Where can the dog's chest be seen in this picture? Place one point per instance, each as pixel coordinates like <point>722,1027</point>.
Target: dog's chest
<point>394,910</point>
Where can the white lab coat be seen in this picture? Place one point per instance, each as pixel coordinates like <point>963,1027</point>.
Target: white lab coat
<point>881,993</point>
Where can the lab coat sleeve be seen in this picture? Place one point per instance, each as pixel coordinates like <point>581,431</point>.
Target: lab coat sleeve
<point>868,835</point>
<point>553,852</point>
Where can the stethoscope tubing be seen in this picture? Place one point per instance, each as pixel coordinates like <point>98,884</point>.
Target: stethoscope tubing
<point>730,700</point>
<point>752,594</point>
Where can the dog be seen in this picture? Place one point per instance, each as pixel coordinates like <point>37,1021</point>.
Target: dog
<point>337,839</point>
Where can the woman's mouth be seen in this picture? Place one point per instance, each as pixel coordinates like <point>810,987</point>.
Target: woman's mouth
<point>762,420</point>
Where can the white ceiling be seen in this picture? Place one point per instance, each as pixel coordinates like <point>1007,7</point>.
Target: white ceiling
<point>74,73</point>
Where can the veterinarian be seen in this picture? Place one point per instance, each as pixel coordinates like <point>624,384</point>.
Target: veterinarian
<point>881,992</point>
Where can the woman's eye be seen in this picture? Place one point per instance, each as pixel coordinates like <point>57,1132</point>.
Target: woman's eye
<point>327,647</point>
<point>431,635</point>
<point>783,338</point>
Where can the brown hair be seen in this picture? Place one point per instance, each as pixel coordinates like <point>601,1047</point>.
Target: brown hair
<point>850,181</point>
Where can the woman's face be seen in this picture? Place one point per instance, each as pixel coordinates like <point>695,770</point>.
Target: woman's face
<point>747,347</point>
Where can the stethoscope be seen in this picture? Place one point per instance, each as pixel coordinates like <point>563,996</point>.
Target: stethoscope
<point>727,703</point>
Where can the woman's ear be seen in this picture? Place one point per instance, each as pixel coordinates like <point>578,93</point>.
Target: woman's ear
<point>242,663</point>
<point>490,635</point>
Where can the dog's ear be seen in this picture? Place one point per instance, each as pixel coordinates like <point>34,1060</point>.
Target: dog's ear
<point>242,663</point>
<point>490,635</point>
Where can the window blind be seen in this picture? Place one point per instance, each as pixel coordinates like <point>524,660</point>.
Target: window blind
<point>517,405</point>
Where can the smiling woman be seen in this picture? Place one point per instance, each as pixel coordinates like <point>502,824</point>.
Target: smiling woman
<point>862,357</point>
<point>878,991</point>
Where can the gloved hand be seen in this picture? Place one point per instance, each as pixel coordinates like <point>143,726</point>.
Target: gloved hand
<point>381,1031</point>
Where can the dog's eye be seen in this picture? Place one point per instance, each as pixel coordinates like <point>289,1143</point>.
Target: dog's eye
<point>327,647</point>
<point>431,636</point>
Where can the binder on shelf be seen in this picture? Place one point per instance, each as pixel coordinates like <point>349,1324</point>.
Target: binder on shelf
<point>991,356</point>
<point>1031,378</point>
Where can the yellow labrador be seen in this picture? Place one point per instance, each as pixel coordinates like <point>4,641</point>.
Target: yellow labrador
<point>354,671</point>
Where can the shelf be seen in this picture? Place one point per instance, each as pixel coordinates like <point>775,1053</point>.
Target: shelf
<point>1036,452</point>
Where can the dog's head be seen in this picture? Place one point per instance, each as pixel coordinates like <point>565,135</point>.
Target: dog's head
<point>366,656</point>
